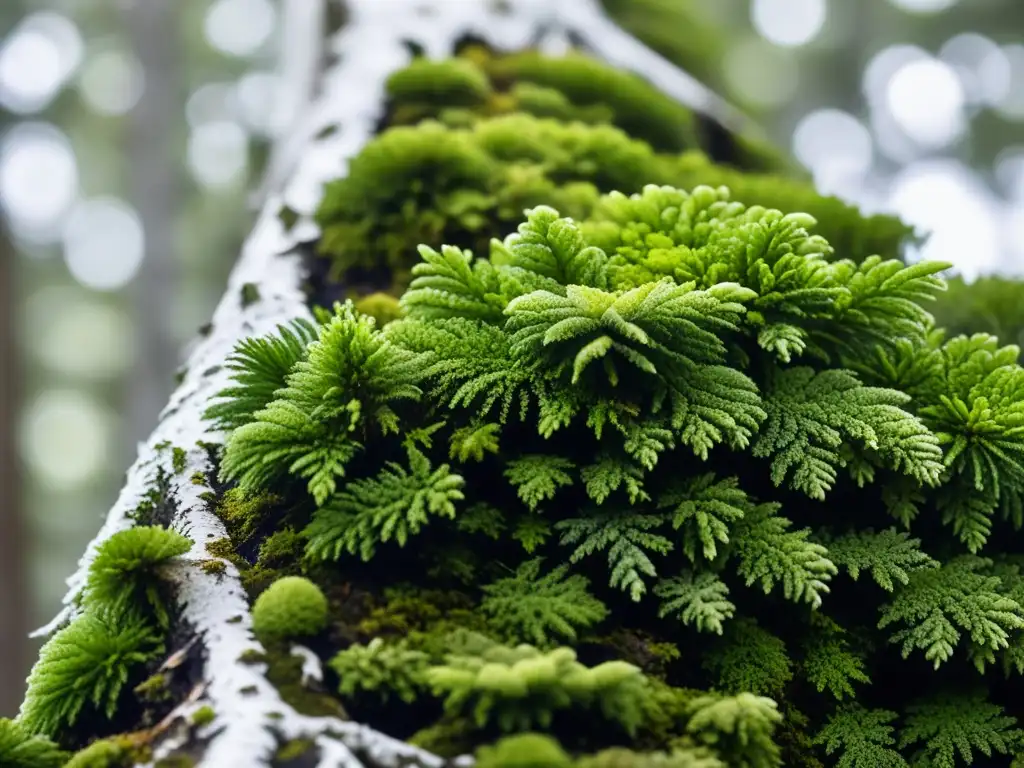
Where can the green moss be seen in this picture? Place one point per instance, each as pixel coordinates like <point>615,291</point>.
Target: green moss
<point>281,548</point>
<point>203,716</point>
<point>154,689</point>
<point>212,566</point>
<point>452,82</point>
<point>179,460</point>
<point>382,307</point>
<point>250,294</point>
<point>291,607</point>
<point>294,749</point>
<point>638,108</point>
<point>175,761</point>
<point>243,512</point>
<point>226,549</point>
<point>251,656</point>
<point>284,671</point>
<point>199,478</point>
<point>115,752</point>
<point>525,750</point>
<point>209,497</point>
<point>257,579</point>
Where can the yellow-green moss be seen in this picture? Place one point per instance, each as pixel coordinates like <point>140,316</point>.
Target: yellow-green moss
<point>212,566</point>
<point>281,548</point>
<point>175,761</point>
<point>294,749</point>
<point>115,752</point>
<point>203,716</point>
<point>290,607</point>
<point>524,750</point>
<point>154,689</point>
<point>226,549</point>
<point>284,672</point>
<point>199,478</point>
<point>243,512</point>
<point>179,460</point>
<point>382,307</point>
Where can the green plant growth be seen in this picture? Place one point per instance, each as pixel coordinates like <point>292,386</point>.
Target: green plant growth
<point>993,305</point>
<point>85,669</point>
<point>291,607</point>
<point>473,141</point>
<point>684,418</point>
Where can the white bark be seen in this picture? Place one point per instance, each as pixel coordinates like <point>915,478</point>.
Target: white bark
<point>248,727</point>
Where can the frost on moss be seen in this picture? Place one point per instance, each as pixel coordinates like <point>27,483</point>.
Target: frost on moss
<point>291,607</point>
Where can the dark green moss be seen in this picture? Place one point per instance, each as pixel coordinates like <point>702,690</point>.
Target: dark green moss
<point>212,566</point>
<point>250,294</point>
<point>294,749</point>
<point>225,549</point>
<point>288,217</point>
<point>243,512</point>
<point>179,460</point>
<point>175,761</point>
<point>281,548</point>
<point>199,478</point>
<point>284,671</point>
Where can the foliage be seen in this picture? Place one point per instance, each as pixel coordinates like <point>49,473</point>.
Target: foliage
<point>124,571</point>
<point>86,664</point>
<point>19,748</point>
<point>292,606</point>
<point>384,668</point>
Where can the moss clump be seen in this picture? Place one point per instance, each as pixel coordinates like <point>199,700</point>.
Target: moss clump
<point>243,513</point>
<point>212,566</point>
<point>203,716</point>
<point>525,750</point>
<point>154,689</point>
<point>281,548</point>
<point>382,307</point>
<point>250,294</point>
<point>225,549</point>
<point>179,459</point>
<point>291,607</point>
<point>199,478</point>
<point>115,752</point>
<point>294,750</point>
<point>284,672</point>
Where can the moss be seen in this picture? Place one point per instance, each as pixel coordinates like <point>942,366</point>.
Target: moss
<point>212,566</point>
<point>251,656</point>
<point>257,579</point>
<point>281,548</point>
<point>179,460</point>
<point>408,609</point>
<point>175,761</point>
<point>524,750</point>
<point>291,607</point>
<point>226,549</point>
<point>243,512</point>
<point>154,689</point>
<point>203,716</point>
<point>209,497</point>
<point>382,307</point>
<point>284,671</point>
<point>294,749</point>
<point>250,294</point>
<point>115,752</point>
<point>453,82</point>
<point>447,738</point>
<point>199,478</point>
<point>288,217</point>
<point>638,107</point>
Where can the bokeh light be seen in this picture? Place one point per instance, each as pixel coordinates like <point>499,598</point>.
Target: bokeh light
<point>38,179</point>
<point>761,73</point>
<point>66,437</point>
<point>926,99</point>
<point>218,153</point>
<point>112,81</point>
<point>87,339</point>
<point>103,243</point>
<point>239,27</point>
<point>836,147</point>
<point>924,6</point>
<point>788,23</point>
<point>35,61</point>
<point>947,200</point>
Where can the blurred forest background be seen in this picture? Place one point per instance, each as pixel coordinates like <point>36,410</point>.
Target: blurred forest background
<point>132,133</point>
